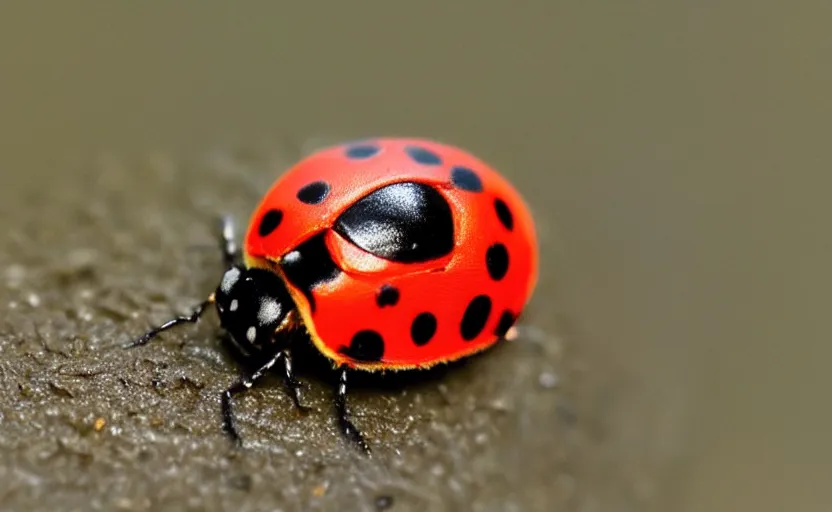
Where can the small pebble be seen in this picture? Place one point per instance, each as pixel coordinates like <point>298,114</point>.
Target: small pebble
<point>33,300</point>
<point>384,503</point>
<point>547,380</point>
<point>241,482</point>
<point>437,470</point>
<point>501,404</point>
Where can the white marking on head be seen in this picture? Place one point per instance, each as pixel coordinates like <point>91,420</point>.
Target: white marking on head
<point>251,334</point>
<point>269,311</point>
<point>234,305</point>
<point>229,279</point>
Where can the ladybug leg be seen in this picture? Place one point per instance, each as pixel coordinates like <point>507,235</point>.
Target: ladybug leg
<point>229,253</point>
<point>227,243</point>
<point>348,429</point>
<point>292,385</point>
<point>244,384</point>
<point>192,318</point>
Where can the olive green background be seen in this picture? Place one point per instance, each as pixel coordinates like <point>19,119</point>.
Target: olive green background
<point>675,154</point>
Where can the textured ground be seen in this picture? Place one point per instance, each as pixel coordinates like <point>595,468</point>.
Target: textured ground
<point>676,158</point>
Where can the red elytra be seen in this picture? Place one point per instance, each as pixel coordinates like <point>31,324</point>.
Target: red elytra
<point>399,312</point>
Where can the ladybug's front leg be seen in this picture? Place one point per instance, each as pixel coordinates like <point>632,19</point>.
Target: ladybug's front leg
<point>349,430</point>
<point>245,383</point>
<point>292,385</point>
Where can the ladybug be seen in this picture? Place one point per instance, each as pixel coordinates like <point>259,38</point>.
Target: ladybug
<point>387,254</point>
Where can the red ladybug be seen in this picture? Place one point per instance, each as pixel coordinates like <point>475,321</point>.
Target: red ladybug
<point>388,254</point>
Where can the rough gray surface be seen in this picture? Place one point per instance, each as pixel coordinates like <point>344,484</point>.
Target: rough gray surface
<point>99,250</point>
<point>678,153</point>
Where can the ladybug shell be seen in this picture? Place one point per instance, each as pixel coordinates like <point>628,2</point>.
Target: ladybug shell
<point>398,253</point>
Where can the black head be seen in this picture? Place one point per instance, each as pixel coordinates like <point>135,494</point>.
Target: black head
<point>253,305</point>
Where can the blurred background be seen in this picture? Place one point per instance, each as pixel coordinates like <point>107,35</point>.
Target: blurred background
<point>676,155</point>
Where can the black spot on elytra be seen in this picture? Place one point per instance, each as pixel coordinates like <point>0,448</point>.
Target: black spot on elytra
<point>507,319</point>
<point>504,214</point>
<point>464,178</point>
<point>309,265</point>
<point>362,151</point>
<point>423,328</point>
<point>314,193</point>
<point>270,221</point>
<point>423,156</point>
<point>388,295</point>
<point>366,345</point>
<point>475,317</point>
<point>405,222</point>
<point>496,259</point>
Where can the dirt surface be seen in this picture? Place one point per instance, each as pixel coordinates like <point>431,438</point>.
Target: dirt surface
<point>97,251</point>
<point>675,156</point>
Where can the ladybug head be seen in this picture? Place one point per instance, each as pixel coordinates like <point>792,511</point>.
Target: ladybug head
<point>253,306</point>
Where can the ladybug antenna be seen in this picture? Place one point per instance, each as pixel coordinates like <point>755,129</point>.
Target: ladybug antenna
<point>230,255</point>
<point>191,318</point>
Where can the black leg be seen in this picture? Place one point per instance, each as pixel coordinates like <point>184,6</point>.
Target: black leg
<point>227,243</point>
<point>292,385</point>
<point>243,384</point>
<point>192,318</point>
<point>348,429</point>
